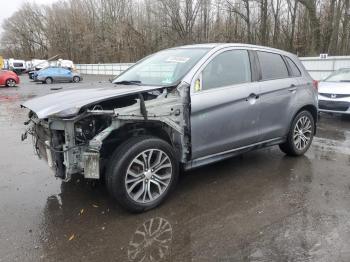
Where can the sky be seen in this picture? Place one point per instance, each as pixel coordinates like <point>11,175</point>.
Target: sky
<point>8,7</point>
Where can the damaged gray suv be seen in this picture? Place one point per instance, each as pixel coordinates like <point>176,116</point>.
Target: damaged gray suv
<point>180,108</point>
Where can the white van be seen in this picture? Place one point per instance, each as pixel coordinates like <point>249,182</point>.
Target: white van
<point>16,65</point>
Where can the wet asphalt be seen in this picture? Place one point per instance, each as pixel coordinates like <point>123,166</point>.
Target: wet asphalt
<point>262,206</point>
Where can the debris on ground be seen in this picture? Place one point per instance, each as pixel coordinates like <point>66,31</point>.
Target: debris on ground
<point>71,237</point>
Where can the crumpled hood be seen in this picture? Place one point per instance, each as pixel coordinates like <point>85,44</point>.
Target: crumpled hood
<point>52,104</point>
<point>340,88</point>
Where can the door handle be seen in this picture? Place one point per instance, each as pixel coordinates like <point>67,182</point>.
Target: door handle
<point>292,88</point>
<point>252,96</point>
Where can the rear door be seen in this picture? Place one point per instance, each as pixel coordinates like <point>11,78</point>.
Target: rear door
<point>277,92</point>
<point>224,104</point>
<point>66,75</point>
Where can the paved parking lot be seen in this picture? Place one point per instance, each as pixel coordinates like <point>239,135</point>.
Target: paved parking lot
<point>262,206</point>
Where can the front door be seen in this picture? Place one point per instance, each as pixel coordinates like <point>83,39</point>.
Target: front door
<point>224,105</point>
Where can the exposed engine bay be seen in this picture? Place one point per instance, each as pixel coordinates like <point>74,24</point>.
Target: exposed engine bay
<point>84,141</point>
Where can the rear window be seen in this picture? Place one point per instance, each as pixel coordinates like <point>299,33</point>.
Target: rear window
<point>65,70</point>
<point>293,67</point>
<point>272,66</point>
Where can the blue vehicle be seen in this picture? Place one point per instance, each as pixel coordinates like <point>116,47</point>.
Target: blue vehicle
<point>56,74</point>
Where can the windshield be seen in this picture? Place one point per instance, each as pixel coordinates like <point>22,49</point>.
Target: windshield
<point>164,68</point>
<point>339,76</point>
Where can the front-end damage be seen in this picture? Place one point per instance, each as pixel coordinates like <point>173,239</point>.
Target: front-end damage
<point>83,143</point>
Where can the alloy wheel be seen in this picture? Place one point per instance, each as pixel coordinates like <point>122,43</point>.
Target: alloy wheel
<point>302,133</point>
<point>148,176</point>
<point>11,83</point>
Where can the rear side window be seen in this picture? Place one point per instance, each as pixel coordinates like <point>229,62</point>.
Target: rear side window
<point>272,66</point>
<point>228,68</point>
<point>293,67</point>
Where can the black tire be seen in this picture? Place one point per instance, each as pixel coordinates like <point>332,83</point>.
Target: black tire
<point>121,160</point>
<point>76,79</point>
<point>48,80</point>
<point>290,147</point>
<point>10,82</point>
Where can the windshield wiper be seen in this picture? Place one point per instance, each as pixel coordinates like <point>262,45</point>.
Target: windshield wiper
<point>128,82</point>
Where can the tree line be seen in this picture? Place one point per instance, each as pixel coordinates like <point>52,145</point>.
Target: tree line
<point>100,31</point>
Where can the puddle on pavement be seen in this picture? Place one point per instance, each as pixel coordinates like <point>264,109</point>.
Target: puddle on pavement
<point>14,97</point>
<point>278,210</point>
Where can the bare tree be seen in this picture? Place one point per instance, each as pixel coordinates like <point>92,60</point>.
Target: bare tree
<point>315,36</point>
<point>345,35</point>
<point>96,31</point>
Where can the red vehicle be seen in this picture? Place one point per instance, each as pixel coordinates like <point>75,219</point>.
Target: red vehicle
<point>8,78</point>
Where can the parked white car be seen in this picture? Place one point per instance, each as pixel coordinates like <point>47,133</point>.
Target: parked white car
<point>65,63</point>
<point>16,65</point>
<point>334,92</point>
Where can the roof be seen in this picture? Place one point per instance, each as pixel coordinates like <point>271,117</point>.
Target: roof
<point>224,45</point>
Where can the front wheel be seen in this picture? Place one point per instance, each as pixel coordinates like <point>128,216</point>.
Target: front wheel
<point>10,82</point>
<point>300,134</point>
<point>142,172</point>
<point>48,80</point>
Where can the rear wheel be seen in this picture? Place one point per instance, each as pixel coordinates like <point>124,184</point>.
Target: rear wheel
<point>48,80</point>
<point>142,172</point>
<point>300,134</point>
<point>10,82</point>
<point>76,79</point>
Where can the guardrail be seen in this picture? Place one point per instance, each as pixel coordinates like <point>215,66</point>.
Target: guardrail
<point>317,67</point>
<point>103,69</point>
<point>320,68</point>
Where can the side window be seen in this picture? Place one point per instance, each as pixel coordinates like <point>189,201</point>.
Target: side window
<point>272,66</point>
<point>227,68</point>
<point>293,67</point>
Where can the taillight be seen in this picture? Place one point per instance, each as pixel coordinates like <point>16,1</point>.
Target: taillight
<point>315,84</point>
